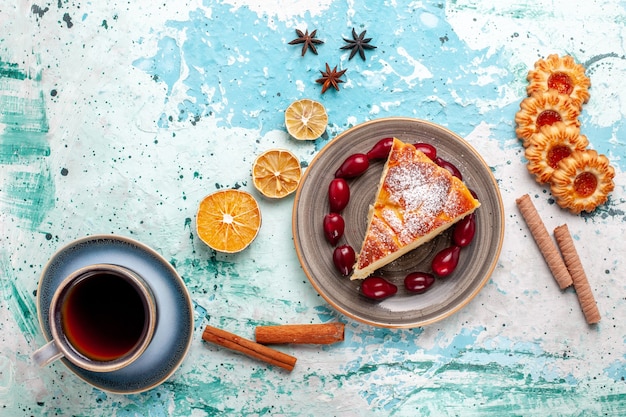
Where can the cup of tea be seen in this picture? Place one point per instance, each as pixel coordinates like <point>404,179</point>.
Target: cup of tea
<point>102,318</point>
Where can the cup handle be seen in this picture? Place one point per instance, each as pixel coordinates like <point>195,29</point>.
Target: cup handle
<point>47,354</point>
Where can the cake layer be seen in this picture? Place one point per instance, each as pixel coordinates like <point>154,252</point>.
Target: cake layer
<point>416,201</point>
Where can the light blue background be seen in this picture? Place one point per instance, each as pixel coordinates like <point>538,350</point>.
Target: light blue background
<point>119,117</point>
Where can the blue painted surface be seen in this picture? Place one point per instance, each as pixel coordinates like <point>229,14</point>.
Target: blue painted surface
<point>119,118</point>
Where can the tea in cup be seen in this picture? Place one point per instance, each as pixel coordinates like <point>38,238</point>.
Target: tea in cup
<point>102,318</point>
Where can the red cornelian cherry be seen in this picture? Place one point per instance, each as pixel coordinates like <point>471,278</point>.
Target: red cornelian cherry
<point>426,148</point>
<point>381,149</point>
<point>449,166</point>
<point>446,260</point>
<point>344,258</point>
<point>334,226</point>
<point>338,194</point>
<point>418,282</point>
<point>377,288</point>
<point>464,231</point>
<point>353,166</point>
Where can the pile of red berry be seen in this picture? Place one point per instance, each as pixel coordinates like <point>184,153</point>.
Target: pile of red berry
<point>344,256</point>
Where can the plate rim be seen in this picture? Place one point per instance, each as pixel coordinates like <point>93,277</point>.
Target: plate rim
<point>146,249</point>
<point>455,308</point>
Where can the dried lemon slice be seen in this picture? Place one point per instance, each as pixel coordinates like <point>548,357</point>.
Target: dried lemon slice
<point>228,220</point>
<point>276,173</point>
<point>306,119</point>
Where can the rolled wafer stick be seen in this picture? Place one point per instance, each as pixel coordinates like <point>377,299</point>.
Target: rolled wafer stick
<point>320,334</point>
<point>544,242</point>
<point>575,267</point>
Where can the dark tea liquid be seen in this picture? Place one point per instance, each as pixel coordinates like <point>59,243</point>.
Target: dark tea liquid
<point>103,317</point>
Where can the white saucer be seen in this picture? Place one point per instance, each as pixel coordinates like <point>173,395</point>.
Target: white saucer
<point>174,328</point>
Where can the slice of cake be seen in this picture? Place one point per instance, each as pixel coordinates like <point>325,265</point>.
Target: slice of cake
<point>416,201</point>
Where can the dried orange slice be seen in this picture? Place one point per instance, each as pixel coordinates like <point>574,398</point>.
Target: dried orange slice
<point>228,220</point>
<point>306,119</point>
<point>276,173</point>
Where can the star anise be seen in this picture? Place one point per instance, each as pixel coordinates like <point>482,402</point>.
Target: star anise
<point>308,40</point>
<point>358,44</point>
<point>331,78</point>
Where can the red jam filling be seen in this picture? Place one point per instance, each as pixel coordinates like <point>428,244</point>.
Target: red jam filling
<point>556,153</point>
<point>548,117</point>
<point>585,184</point>
<point>561,82</point>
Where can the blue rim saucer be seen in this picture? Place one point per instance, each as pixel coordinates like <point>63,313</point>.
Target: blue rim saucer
<point>174,329</point>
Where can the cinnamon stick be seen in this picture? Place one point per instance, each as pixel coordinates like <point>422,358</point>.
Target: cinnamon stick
<point>575,267</point>
<point>255,350</point>
<point>320,334</point>
<point>544,242</point>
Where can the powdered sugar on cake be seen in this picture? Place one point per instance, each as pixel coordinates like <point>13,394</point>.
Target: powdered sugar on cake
<point>421,191</point>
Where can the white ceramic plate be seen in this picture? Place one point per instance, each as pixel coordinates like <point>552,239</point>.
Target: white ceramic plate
<point>405,309</point>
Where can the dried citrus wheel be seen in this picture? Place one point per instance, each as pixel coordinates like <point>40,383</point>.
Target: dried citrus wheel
<point>228,220</point>
<point>276,173</point>
<point>306,119</point>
